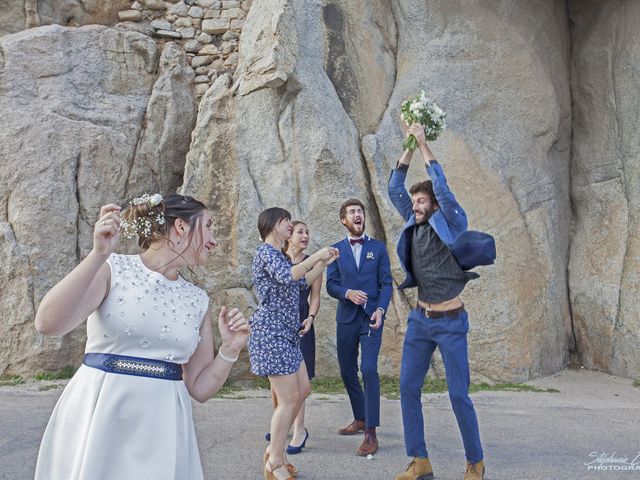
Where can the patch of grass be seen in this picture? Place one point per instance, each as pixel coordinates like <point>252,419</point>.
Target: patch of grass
<point>228,388</point>
<point>390,387</point>
<point>261,382</point>
<point>636,383</point>
<point>510,387</point>
<point>10,380</point>
<point>66,372</point>
<point>44,388</point>
<point>434,385</point>
<point>327,385</point>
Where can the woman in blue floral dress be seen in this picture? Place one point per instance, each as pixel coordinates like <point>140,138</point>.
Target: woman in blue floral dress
<point>274,345</point>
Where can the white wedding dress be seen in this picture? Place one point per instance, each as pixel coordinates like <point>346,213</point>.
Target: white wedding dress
<point>114,426</point>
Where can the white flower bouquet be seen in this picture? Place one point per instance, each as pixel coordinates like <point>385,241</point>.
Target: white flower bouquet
<point>424,111</point>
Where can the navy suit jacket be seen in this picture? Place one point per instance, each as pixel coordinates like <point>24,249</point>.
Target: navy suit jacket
<point>470,248</point>
<point>372,277</point>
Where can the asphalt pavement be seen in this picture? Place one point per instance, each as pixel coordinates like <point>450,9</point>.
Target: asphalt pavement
<point>589,430</point>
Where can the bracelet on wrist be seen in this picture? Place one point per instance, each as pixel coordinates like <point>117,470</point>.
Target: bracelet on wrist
<point>225,358</point>
<point>312,315</point>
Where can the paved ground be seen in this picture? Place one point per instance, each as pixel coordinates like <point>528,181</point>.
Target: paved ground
<point>526,436</point>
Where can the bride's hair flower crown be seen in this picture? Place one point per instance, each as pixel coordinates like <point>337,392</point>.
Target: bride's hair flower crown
<point>141,221</point>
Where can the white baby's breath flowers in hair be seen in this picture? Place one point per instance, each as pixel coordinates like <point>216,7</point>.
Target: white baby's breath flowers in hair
<point>143,226</point>
<point>425,112</point>
<point>152,200</point>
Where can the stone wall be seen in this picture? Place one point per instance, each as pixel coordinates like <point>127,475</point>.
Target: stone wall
<point>208,30</point>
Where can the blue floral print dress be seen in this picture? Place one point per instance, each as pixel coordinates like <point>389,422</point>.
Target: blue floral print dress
<point>274,345</point>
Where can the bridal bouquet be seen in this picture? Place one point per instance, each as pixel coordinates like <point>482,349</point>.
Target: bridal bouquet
<point>424,111</point>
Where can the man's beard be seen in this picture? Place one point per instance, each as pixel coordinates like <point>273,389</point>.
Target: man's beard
<point>352,231</point>
<point>427,216</point>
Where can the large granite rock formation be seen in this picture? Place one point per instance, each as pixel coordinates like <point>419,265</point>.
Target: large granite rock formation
<point>13,18</point>
<point>506,153</point>
<point>299,134</point>
<point>18,15</point>
<point>539,151</point>
<point>605,251</point>
<point>91,115</point>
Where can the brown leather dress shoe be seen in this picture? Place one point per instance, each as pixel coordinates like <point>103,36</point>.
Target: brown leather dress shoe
<point>354,428</point>
<point>369,446</point>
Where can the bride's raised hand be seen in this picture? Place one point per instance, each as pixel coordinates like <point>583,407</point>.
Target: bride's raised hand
<point>106,232</point>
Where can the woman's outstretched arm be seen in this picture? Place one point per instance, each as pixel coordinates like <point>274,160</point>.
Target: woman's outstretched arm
<point>81,292</point>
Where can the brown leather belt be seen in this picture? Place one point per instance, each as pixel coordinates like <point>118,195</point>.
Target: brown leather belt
<point>439,314</point>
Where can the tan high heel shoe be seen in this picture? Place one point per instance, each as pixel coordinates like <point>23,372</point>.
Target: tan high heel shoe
<point>268,472</point>
<point>293,471</point>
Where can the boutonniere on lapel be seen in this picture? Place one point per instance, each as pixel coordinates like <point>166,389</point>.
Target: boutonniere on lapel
<point>370,256</point>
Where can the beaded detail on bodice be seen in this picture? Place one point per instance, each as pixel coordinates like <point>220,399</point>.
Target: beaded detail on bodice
<point>146,315</point>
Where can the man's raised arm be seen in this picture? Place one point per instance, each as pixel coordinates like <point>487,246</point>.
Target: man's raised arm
<point>397,192</point>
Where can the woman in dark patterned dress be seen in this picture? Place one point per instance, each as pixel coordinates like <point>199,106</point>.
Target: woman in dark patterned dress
<point>309,306</point>
<point>274,345</point>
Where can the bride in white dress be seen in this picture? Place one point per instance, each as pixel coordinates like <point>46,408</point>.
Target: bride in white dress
<point>126,413</point>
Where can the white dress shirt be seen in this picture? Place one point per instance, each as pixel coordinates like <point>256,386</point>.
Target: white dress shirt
<point>356,249</point>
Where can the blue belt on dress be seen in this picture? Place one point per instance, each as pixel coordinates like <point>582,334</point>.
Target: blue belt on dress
<point>140,367</point>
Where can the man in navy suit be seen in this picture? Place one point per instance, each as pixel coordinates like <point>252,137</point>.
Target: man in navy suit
<point>433,247</point>
<point>361,282</point>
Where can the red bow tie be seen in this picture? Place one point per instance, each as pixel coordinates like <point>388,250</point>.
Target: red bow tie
<point>353,241</point>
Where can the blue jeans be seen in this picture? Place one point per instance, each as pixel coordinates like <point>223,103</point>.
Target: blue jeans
<point>449,334</point>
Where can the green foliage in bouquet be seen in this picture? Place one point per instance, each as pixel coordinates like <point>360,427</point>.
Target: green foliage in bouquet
<point>425,112</point>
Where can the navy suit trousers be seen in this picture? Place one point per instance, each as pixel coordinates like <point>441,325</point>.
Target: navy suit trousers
<point>352,337</point>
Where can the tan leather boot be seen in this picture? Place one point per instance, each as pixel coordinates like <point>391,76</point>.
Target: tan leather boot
<point>475,471</point>
<point>419,469</point>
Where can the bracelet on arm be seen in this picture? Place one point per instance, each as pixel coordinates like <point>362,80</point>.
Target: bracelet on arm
<point>225,358</point>
<point>312,315</point>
